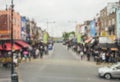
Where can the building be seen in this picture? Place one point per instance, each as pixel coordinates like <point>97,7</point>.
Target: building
<point>87,27</point>
<point>77,29</point>
<point>104,22</point>
<point>5,24</point>
<point>40,32</point>
<point>108,19</point>
<point>31,31</point>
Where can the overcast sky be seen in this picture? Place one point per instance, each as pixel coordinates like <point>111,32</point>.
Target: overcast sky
<point>65,13</point>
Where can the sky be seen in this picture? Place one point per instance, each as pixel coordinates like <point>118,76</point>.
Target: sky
<point>61,15</point>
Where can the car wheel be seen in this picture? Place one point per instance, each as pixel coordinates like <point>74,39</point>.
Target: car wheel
<point>107,76</point>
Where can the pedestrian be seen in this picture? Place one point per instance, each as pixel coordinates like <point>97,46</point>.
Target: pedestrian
<point>82,55</point>
<point>107,56</point>
<point>25,53</point>
<point>88,55</point>
<point>37,52</point>
<point>103,56</point>
<point>68,46</point>
<point>46,49</point>
<point>41,48</point>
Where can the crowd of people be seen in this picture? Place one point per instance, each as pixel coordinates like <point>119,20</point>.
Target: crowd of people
<point>24,54</point>
<point>92,52</point>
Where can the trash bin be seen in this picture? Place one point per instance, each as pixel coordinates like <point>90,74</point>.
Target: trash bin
<point>14,77</point>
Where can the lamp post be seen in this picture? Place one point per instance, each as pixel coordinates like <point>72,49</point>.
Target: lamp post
<point>12,10</point>
<point>14,76</point>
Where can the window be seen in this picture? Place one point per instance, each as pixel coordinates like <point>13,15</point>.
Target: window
<point>118,67</point>
<point>109,23</point>
<point>113,21</point>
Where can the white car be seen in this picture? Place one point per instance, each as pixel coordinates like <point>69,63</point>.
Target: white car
<point>109,72</point>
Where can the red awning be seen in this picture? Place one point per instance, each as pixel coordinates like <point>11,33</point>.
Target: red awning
<point>22,43</point>
<point>7,47</point>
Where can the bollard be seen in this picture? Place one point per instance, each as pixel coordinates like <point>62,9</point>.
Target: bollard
<point>14,77</point>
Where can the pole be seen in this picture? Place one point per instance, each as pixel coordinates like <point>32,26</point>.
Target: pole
<point>12,10</point>
<point>14,76</point>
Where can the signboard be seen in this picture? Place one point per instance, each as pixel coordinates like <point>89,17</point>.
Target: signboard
<point>6,36</point>
<point>118,23</point>
<point>103,33</point>
<point>105,40</point>
<point>92,28</point>
<point>4,31</point>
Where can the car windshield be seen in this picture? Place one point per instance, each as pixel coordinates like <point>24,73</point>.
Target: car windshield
<point>114,65</point>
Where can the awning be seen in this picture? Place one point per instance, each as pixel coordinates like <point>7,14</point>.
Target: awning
<point>7,47</point>
<point>112,46</point>
<point>114,49</point>
<point>88,40</point>
<point>22,43</point>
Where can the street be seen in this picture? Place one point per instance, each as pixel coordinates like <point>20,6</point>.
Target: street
<point>60,66</point>
<point>58,41</point>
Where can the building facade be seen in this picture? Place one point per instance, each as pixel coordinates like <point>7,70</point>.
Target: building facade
<point>108,20</point>
<point>5,24</point>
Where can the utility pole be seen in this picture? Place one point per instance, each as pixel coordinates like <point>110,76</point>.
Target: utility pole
<point>14,76</point>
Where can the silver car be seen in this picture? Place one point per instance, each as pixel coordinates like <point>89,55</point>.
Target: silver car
<point>109,72</point>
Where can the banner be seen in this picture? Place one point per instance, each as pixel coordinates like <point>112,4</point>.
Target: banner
<point>118,23</point>
<point>45,37</point>
<point>78,38</point>
<point>92,28</point>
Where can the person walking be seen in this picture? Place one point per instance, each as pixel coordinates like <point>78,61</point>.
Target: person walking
<point>25,53</point>
<point>103,57</point>
<point>37,52</point>
<point>88,55</point>
<point>82,55</point>
<point>41,48</point>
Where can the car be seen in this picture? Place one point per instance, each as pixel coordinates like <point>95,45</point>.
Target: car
<point>109,72</point>
<point>50,46</point>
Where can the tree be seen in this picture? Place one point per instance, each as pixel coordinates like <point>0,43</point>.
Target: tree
<point>66,35</point>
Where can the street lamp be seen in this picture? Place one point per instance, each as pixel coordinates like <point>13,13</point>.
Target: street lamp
<point>14,76</point>
<point>12,10</point>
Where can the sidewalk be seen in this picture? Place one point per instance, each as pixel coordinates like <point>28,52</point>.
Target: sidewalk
<point>84,60</point>
<point>5,73</point>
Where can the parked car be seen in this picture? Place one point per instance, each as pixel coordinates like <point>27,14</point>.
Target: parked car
<point>109,72</point>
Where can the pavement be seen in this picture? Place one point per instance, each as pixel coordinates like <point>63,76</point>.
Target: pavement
<point>5,73</point>
<point>84,60</point>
